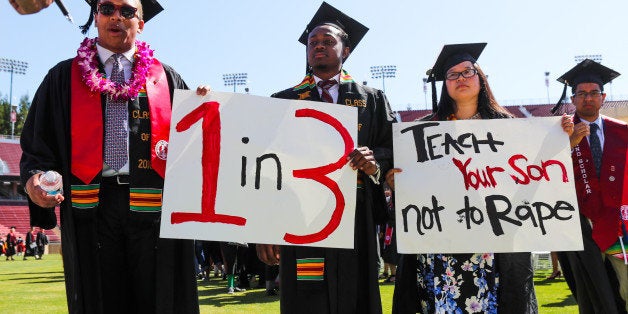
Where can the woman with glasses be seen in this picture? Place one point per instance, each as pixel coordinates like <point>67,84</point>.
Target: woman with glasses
<point>474,282</point>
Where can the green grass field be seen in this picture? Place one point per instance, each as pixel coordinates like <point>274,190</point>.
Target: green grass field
<point>37,286</point>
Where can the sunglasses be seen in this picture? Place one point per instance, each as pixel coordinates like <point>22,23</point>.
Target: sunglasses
<point>108,8</point>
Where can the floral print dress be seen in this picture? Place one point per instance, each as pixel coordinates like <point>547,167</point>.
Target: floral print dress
<point>457,283</point>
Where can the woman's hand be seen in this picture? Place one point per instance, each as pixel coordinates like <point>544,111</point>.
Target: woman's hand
<point>390,177</point>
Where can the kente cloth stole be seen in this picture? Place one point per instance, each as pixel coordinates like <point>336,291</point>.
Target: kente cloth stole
<point>310,268</point>
<point>309,82</point>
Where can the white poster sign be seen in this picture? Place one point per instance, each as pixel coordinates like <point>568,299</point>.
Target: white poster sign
<point>469,186</point>
<point>255,169</point>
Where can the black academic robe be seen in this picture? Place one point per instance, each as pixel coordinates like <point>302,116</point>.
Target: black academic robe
<point>350,280</point>
<point>30,238</point>
<point>46,145</point>
<point>42,241</point>
<point>590,279</point>
<point>11,244</point>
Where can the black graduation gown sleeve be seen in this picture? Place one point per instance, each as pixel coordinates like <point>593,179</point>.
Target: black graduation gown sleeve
<point>377,120</point>
<point>516,283</point>
<point>45,144</point>
<point>45,136</point>
<point>175,268</point>
<point>406,294</point>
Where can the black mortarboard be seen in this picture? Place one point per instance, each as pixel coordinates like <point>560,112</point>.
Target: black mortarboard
<point>587,71</point>
<point>150,8</point>
<point>328,14</point>
<point>448,57</point>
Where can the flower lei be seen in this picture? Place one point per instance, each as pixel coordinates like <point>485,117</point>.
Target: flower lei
<point>88,65</point>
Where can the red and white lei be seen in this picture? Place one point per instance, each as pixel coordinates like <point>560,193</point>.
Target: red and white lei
<point>88,65</point>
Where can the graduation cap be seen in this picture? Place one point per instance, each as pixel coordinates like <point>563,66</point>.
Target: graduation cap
<point>587,71</point>
<point>448,57</point>
<point>150,8</point>
<point>327,14</point>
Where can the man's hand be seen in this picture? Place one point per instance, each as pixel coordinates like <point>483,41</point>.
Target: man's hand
<point>202,90</point>
<point>362,159</point>
<point>567,124</point>
<point>268,253</point>
<point>39,196</point>
<point>579,132</point>
<point>29,6</point>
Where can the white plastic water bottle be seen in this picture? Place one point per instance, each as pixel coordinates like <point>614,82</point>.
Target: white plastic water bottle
<point>51,182</point>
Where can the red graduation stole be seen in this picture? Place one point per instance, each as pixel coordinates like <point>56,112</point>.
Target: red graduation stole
<point>86,122</point>
<point>623,209</point>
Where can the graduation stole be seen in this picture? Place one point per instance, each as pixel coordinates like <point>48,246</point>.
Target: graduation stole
<point>309,82</point>
<point>86,121</point>
<point>584,173</point>
<point>623,218</point>
<point>584,170</point>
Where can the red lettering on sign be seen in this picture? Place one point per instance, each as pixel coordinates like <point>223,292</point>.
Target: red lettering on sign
<point>210,161</point>
<point>535,172</point>
<point>319,174</point>
<point>477,177</point>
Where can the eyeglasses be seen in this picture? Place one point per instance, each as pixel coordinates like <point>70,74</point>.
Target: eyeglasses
<point>108,8</point>
<point>466,74</point>
<point>584,95</point>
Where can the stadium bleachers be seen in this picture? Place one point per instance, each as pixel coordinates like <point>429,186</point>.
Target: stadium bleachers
<point>18,216</point>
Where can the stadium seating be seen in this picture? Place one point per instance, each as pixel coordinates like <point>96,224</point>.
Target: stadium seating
<point>18,216</point>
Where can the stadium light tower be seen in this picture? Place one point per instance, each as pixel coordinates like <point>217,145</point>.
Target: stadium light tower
<point>383,72</point>
<point>596,58</point>
<point>17,67</point>
<point>235,79</point>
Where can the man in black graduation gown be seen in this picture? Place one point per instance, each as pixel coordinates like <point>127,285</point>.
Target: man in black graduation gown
<point>114,260</point>
<point>343,281</point>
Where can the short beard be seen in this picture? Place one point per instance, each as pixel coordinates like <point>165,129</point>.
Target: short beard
<point>321,67</point>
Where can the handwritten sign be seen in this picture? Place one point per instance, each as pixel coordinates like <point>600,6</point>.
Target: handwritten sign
<point>255,169</point>
<point>485,186</point>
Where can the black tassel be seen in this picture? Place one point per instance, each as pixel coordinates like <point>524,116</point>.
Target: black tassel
<point>560,101</point>
<point>434,104</point>
<point>85,27</point>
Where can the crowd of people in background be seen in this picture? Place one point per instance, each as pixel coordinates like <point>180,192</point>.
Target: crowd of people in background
<point>237,264</point>
<point>14,245</point>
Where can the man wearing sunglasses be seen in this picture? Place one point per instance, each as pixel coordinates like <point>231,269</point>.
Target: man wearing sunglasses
<point>102,121</point>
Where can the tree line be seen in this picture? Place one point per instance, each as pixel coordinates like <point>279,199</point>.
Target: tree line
<point>5,114</point>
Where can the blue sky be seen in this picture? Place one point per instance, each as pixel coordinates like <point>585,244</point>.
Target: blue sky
<point>204,39</point>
